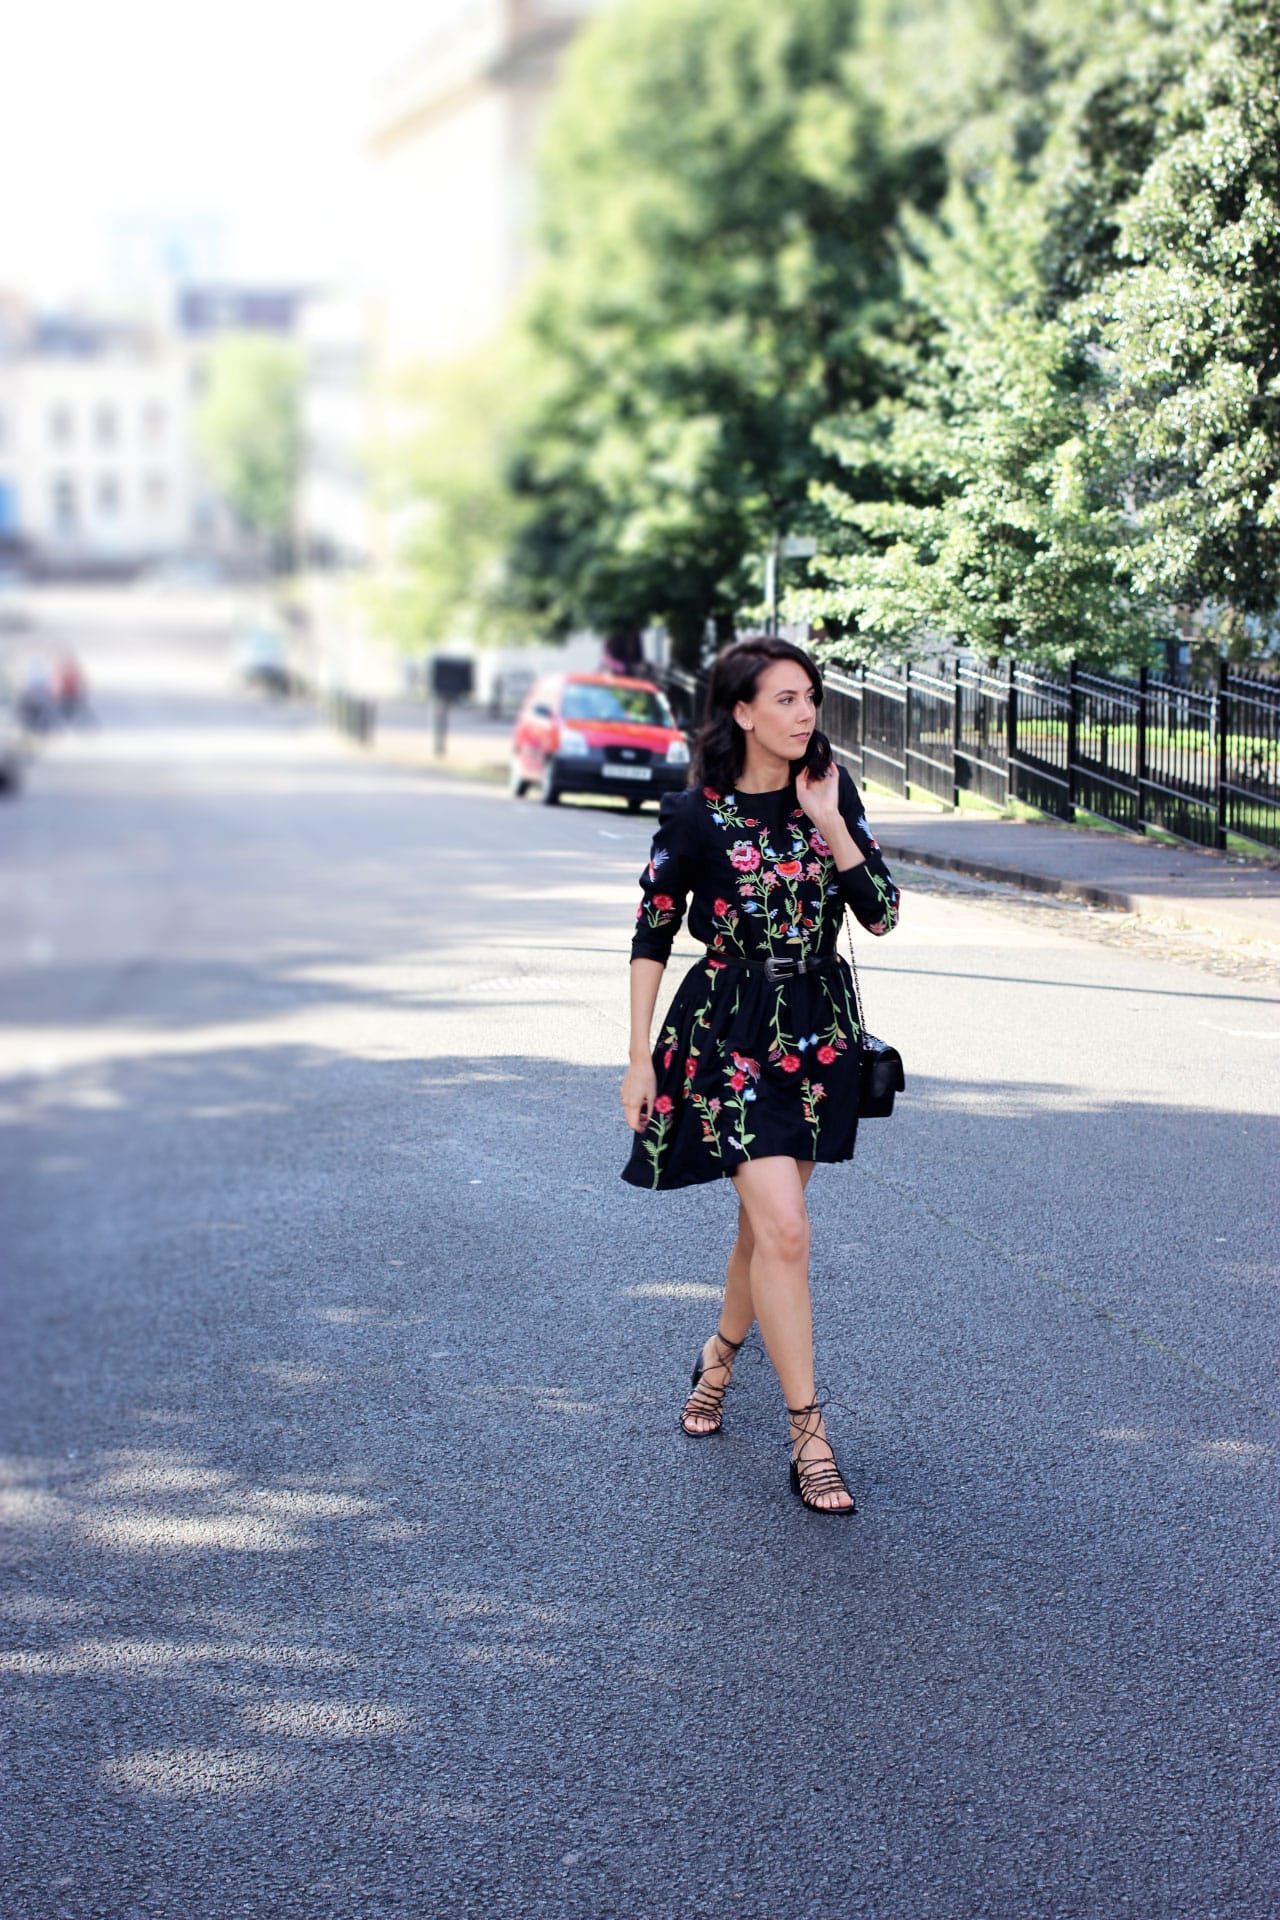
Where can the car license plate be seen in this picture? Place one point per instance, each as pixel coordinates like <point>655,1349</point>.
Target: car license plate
<point>620,772</point>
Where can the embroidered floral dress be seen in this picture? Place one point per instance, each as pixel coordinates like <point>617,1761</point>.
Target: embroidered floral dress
<point>749,1067</point>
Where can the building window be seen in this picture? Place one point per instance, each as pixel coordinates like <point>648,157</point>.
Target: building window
<point>153,421</point>
<point>105,426</point>
<point>108,496</point>
<point>60,425</point>
<point>63,501</point>
<point>156,492</point>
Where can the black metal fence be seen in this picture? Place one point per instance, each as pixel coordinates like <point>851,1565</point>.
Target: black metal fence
<point>1198,763</point>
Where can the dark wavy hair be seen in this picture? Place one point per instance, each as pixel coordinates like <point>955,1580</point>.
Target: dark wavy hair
<point>720,748</point>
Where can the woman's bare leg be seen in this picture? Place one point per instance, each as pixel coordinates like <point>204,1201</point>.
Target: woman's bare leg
<point>771,1193</point>
<point>772,1196</point>
<point>737,1310</point>
<point>736,1315</point>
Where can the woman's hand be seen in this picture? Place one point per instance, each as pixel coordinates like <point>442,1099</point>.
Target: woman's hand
<point>820,798</point>
<point>639,1085</point>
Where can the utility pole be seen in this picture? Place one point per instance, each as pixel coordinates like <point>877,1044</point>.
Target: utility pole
<point>791,546</point>
<point>771,558</point>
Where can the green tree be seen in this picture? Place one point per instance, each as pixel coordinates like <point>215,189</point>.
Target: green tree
<point>444,481</point>
<point>717,205</point>
<point>249,430</point>
<point>1083,441</point>
<point>977,509</point>
<point>1189,319</point>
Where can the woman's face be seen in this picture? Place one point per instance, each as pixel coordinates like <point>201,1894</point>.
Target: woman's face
<point>784,711</point>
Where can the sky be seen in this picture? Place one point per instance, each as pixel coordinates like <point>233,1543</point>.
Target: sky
<point>250,113</point>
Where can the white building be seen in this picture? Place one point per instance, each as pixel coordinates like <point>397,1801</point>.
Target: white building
<point>450,205</point>
<point>454,130</point>
<point>99,467</point>
<point>95,446</point>
<point>334,511</point>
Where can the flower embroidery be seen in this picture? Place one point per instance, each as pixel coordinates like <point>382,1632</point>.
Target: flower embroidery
<point>744,857</point>
<point>811,1091</point>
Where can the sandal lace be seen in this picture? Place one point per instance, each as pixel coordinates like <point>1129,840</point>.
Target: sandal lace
<point>821,1476</point>
<point>706,1402</point>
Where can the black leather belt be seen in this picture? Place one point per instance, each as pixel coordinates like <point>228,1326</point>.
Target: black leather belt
<point>777,966</point>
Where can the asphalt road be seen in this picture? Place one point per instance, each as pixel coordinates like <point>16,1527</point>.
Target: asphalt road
<point>355,1565</point>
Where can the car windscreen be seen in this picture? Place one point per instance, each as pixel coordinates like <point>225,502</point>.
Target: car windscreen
<point>638,704</point>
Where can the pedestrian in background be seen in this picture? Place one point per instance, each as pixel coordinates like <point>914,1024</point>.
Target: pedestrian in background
<point>756,1071</point>
<point>70,688</point>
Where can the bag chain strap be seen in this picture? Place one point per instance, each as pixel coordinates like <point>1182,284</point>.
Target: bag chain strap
<point>853,968</point>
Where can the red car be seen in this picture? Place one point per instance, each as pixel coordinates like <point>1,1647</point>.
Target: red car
<point>597,733</point>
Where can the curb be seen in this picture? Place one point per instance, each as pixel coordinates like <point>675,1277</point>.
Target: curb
<point>1083,890</point>
<point>1156,907</point>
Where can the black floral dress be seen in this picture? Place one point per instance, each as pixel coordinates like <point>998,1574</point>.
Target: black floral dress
<point>748,1066</point>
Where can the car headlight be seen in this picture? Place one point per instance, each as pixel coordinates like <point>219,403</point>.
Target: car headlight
<point>678,753</point>
<point>573,745</point>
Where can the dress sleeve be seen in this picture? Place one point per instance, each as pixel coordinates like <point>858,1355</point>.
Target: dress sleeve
<point>665,882</point>
<point>868,889</point>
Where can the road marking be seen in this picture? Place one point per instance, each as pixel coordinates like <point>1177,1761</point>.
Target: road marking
<point>1241,1033</point>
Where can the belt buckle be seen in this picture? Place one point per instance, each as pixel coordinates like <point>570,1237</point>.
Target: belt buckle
<point>780,967</point>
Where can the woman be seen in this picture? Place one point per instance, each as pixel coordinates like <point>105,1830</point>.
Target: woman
<point>755,1074</point>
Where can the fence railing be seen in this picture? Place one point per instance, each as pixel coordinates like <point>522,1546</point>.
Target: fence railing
<point>1197,763</point>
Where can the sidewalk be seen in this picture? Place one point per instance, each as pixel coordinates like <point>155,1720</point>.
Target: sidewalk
<point>474,744</point>
<point>1208,892</point>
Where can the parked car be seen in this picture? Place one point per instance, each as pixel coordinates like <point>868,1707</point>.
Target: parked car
<point>597,733</point>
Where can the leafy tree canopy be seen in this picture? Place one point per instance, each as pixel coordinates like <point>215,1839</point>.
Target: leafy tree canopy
<point>1189,321</point>
<point>978,509</point>
<point>249,428</point>
<point>1084,435</point>
<point>444,485</point>
<point>718,198</point>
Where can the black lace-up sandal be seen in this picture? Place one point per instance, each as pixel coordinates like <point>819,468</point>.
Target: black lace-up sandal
<point>811,1479</point>
<point>707,1402</point>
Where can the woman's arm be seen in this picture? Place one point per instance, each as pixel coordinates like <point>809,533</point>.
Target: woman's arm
<point>639,1082</point>
<point>866,884</point>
